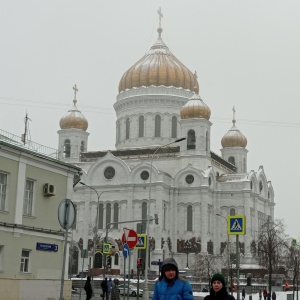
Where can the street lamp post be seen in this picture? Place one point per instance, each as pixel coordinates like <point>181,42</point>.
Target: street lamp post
<point>146,291</point>
<point>187,248</point>
<point>228,252</point>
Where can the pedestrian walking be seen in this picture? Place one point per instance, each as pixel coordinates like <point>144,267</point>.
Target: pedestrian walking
<point>115,292</point>
<point>269,296</point>
<point>109,288</point>
<point>170,286</point>
<point>218,289</point>
<point>265,293</point>
<point>104,289</point>
<point>243,294</point>
<point>259,294</point>
<point>273,295</point>
<point>88,288</point>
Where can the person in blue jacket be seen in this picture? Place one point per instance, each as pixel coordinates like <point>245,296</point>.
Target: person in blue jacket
<point>170,286</point>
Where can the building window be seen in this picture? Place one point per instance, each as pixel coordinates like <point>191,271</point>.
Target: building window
<point>207,141</point>
<point>144,175</point>
<point>191,141</point>
<point>67,148</point>
<point>189,179</point>
<point>24,268</point>
<point>127,128</point>
<point>174,127</point>
<point>108,213</point>
<point>141,126</point>
<point>116,214</point>
<point>189,218</point>
<point>109,173</point>
<point>118,138</point>
<point>231,159</point>
<point>75,217</point>
<point>28,199</point>
<point>116,259</point>
<point>260,186</point>
<point>100,216</point>
<point>1,257</point>
<point>3,189</point>
<point>157,132</point>
<point>82,147</point>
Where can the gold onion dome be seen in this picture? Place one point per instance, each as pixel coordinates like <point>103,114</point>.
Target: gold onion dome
<point>234,138</point>
<point>195,108</point>
<point>159,67</point>
<point>74,119</point>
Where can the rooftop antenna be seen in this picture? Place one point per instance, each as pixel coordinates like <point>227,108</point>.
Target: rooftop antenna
<point>24,135</point>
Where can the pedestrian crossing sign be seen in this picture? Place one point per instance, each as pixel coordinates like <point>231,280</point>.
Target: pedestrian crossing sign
<point>142,241</point>
<point>106,248</point>
<point>236,225</point>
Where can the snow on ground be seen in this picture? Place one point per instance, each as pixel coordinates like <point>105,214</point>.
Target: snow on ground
<point>279,295</point>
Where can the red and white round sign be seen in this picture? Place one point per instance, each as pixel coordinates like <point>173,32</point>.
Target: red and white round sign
<point>129,237</point>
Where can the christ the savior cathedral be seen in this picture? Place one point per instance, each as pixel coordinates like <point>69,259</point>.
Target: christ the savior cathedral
<point>189,188</point>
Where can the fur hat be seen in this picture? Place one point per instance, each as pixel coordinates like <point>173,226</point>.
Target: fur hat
<point>219,277</point>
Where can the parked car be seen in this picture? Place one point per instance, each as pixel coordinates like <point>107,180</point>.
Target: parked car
<point>132,290</point>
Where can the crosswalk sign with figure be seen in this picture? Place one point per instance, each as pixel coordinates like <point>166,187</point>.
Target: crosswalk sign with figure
<point>237,224</point>
<point>142,241</point>
<point>106,248</point>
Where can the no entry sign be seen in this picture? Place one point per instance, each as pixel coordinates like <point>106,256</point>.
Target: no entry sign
<point>129,237</point>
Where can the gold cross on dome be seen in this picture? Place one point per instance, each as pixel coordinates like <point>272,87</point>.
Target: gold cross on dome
<point>75,91</point>
<point>160,16</point>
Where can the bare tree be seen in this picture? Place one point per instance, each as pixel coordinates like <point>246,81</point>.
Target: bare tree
<point>272,244</point>
<point>206,265</point>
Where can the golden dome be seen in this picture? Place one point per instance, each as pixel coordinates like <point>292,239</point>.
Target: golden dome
<point>159,67</point>
<point>74,119</point>
<point>234,138</point>
<point>195,108</point>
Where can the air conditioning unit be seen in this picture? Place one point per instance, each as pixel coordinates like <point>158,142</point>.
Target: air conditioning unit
<point>49,189</point>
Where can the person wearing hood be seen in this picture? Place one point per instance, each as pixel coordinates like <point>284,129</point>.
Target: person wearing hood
<point>170,286</point>
<point>88,288</point>
<point>218,289</point>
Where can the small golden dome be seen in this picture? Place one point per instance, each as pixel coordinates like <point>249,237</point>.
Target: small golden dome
<point>234,138</point>
<point>195,108</point>
<point>74,119</point>
<point>159,67</point>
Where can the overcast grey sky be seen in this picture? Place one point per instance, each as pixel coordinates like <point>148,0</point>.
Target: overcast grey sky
<point>246,54</point>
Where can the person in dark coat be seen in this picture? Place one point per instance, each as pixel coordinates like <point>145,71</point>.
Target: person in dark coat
<point>218,289</point>
<point>273,296</point>
<point>170,286</point>
<point>115,292</point>
<point>265,293</point>
<point>88,288</point>
<point>243,294</point>
<point>104,287</point>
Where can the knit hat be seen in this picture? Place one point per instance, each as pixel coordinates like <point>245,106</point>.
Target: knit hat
<point>219,277</point>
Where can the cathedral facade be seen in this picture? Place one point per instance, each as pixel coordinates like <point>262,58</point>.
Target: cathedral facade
<point>189,189</point>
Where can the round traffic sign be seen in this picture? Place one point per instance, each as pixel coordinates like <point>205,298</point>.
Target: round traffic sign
<point>66,213</point>
<point>129,237</point>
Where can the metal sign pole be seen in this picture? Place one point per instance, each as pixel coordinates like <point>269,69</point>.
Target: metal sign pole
<point>129,274</point>
<point>237,267</point>
<point>124,278</point>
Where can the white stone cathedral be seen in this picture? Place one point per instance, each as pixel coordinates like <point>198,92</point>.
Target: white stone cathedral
<point>159,102</point>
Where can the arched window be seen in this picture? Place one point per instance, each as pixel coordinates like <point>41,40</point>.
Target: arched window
<point>245,165</point>
<point>100,216</point>
<point>116,259</point>
<point>157,132</point>
<point>108,213</point>
<point>260,186</point>
<point>191,141</point>
<point>82,147</point>
<point>231,159</point>
<point>174,127</point>
<point>189,225</point>
<point>118,137</point>
<point>232,212</point>
<point>98,260</point>
<point>67,148</point>
<point>127,128</point>
<point>116,214</point>
<point>207,141</point>
<point>141,126</point>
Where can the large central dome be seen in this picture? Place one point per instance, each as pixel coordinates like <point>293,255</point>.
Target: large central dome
<point>159,67</point>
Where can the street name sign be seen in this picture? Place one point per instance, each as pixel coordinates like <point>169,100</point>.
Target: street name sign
<point>237,225</point>
<point>47,247</point>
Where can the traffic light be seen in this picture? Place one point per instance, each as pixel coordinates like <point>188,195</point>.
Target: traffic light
<point>156,219</point>
<point>108,261</point>
<point>139,263</point>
